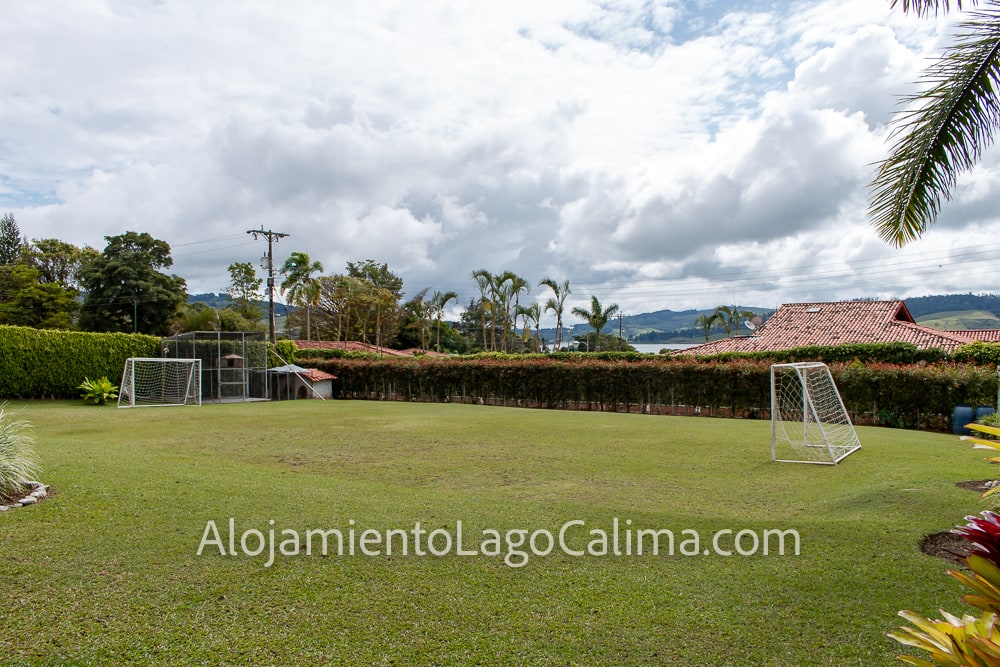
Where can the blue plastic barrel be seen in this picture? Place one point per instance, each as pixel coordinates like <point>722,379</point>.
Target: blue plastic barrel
<point>984,410</point>
<point>963,414</point>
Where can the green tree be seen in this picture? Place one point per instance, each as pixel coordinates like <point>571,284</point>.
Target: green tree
<point>229,319</point>
<point>532,316</point>
<point>729,318</point>
<point>301,287</point>
<point>244,290</point>
<point>352,308</point>
<point>472,325</point>
<point>488,291</point>
<point>439,302</point>
<point>126,290</point>
<point>26,300</point>
<point>376,274</point>
<point>556,304</point>
<point>597,317</point>
<point>197,316</point>
<point>943,130</point>
<point>706,323</point>
<point>58,262</point>
<point>420,309</point>
<point>514,286</point>
<point>11,242</point>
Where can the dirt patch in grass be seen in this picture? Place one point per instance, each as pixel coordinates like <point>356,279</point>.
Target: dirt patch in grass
<point>947,545</point>
<point>978,485</point>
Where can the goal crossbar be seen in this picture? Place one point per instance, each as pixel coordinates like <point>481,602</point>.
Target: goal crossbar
<point>156,382</point>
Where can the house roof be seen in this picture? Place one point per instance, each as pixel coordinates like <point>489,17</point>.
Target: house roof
<point>985,335</point>
<point>311,374</point>
<point>837,323</point>
<point>316,375</point>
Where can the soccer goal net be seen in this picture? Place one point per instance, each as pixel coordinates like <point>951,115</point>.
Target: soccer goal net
<point>809,423</point>
<point>160,382</point>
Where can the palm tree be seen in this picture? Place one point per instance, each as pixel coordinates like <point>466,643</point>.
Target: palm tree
<point>196,316</point>
<point>517,285</point>
<point>487,288</point>
<point>707,323</point>
<point>556,303</point>
<point>302,288</point>
<point>945,128</point>
<point>597,317</point>
<point>508,287</point>
<point>420,308</point>
<point>438,303</point>
<point>532,316</point>
<point>729,318</point>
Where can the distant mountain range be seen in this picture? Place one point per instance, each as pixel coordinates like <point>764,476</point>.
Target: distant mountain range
<point>221,300</point>
<point>952,312</point>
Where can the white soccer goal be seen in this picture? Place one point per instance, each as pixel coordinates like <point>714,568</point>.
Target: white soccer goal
<point>809,423</point>
<point>148,382</point>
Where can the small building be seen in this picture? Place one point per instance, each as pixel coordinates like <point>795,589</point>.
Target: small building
<point>291,382</point>
<point>840,323</point>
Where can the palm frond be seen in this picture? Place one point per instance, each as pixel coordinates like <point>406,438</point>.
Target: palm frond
<point>943,134</point>
<point>925,7</point>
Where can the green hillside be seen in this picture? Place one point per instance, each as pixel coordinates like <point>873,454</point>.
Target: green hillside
<point>960,320</point>
<point>925,307</point>
<point>662,326</point>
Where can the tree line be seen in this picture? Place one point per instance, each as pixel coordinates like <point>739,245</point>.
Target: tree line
<point>51,284</point>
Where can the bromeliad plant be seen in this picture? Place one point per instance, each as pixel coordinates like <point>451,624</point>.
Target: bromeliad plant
<point>967,641</point>
<point>99,391</point>
<point>989,441</point>
<point>18,462</point>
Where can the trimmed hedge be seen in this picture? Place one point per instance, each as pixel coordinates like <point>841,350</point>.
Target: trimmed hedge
<point>978,353</point>
<point>46,363</point>
<point>914,396</point>
<point>892,353</point>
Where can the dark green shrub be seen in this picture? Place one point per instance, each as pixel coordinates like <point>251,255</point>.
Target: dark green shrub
<point>45,363</point>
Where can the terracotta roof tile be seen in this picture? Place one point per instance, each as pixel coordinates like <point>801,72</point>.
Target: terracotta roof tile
<point>836,323</point>
<point>316,375</point>
<point>985,335</point>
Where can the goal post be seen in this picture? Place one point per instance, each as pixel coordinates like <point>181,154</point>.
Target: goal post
<point>151,382</point>
<point>809,423</point>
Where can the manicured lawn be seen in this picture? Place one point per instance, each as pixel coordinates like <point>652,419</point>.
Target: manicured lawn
<point>106,571</point>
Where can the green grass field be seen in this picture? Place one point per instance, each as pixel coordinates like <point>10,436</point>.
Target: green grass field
<point>106,571</point>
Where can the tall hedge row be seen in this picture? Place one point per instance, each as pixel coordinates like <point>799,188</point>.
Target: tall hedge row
<point>45,363</point>
<point>915,396</point>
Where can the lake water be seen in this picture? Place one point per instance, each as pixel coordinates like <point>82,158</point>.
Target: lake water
<point>654,348</point>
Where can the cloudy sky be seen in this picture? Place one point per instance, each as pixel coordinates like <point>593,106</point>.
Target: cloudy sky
<point>656,153</point>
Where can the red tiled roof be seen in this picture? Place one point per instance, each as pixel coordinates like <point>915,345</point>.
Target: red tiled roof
<point>985,335</point>
<point>836,323</point>
<point>316,375</point>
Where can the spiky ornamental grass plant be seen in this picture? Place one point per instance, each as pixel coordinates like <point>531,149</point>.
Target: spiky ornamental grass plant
<point>18,461</point>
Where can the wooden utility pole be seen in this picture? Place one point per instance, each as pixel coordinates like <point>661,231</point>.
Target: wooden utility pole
<point>271,237</point>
